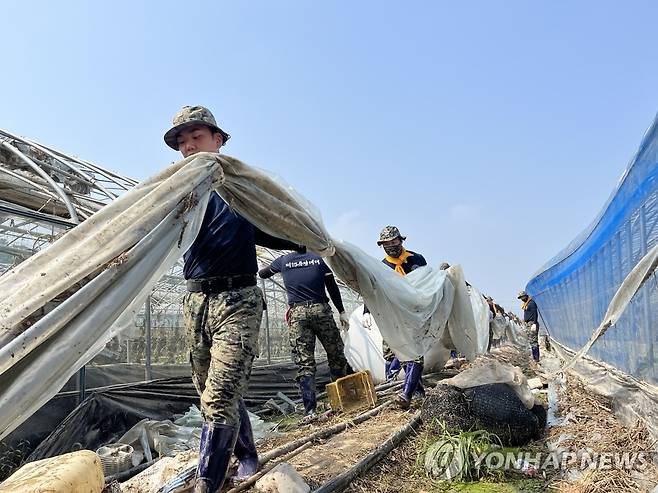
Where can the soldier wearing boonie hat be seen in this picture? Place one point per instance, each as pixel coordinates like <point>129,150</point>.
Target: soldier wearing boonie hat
<point>403,262</point>
<point>531,319</point>
<point>222,312</point>
<point>189,116</point>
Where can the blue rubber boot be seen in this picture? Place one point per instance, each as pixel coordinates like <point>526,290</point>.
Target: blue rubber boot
<point>535,353</point>
<point>419,393</point>
<point>245,448</point>
<point>392,369</point>
<point>413,372</point>
<point>307,386</point>
<point>215,450</point>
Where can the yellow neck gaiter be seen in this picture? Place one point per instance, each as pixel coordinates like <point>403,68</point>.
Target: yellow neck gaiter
<point>399,261</point>
<point>525,305</point>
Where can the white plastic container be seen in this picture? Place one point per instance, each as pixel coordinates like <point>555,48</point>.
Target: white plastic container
<point>115,458</point>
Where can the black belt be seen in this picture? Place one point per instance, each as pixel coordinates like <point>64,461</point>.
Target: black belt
<point>307,303</point>
<point>216,285</point>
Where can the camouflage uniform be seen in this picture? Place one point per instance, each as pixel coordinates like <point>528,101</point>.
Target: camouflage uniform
<point>389,355</point>
<point>532,331</point>
<point>306,322</point>
<point>222,332</point>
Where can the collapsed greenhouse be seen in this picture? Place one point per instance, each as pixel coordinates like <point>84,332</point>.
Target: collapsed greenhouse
<point>100,336</point>
<point>44,194</point>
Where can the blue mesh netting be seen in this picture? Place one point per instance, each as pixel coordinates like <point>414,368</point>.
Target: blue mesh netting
<point>574,288</point>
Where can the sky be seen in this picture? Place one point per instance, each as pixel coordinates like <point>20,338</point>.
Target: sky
<point>490,133</point>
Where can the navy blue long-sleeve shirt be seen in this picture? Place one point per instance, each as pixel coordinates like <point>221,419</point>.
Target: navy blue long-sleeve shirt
<point>226,244</point>
<point>305,276</point>
<point>530,314</point>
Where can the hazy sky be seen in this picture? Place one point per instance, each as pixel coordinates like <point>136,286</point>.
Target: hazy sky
<point>491,133</point>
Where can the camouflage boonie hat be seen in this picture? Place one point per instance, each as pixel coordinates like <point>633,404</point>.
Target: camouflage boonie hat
<point>389,233</point>
<point>188,116</point>
<point>521,295</point>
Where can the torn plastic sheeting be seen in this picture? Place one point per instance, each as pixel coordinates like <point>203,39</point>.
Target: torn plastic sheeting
<point>156,399</point>
<point>28,385</point>
<point>492,371</point>
<point>411,310</point>
<point>161,438</point>
<point>363,349</point>
<point>515,335</point>
<point>363,346</point>
<point>56,346</point>
<point>499,326</point>
<point>633,400</point>
<point>91,245</point>
<point>166,438</point>
<point>461,324</point>
<point>105,415</point>
<point>481,318</point>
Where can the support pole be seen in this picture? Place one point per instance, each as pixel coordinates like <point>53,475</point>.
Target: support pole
<point>267,323</point>
<point>147,335</point>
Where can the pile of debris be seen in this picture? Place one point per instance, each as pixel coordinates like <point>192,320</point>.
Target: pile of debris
<point>580,424</point>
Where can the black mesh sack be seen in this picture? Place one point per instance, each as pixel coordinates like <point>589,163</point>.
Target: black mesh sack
<point>497,409</point>
<point>448,405</point>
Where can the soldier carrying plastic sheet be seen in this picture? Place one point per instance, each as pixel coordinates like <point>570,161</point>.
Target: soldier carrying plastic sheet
<point>305,277</point>
<point>222,311</point>
<point>531,319</point>
<point>402,261</point>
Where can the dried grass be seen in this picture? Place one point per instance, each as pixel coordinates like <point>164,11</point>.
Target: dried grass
<point>592,426</point>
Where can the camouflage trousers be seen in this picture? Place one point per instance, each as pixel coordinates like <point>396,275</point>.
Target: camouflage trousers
<point>389,355</point>
<point>532,331</point>
<point>308,322</point>
<point>222,332</point>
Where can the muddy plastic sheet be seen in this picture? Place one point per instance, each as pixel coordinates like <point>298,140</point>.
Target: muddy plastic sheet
<point>515,335</point>
<point>106,415</point>
<point>481,318</point>
<point>498,326</point>
<point>104,268</point>
<point>363,349</point>
<point>150,438</point>
<point>492,371</point>
<point>363,345</point>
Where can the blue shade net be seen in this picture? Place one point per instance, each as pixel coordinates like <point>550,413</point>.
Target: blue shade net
<point>574,288</point>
